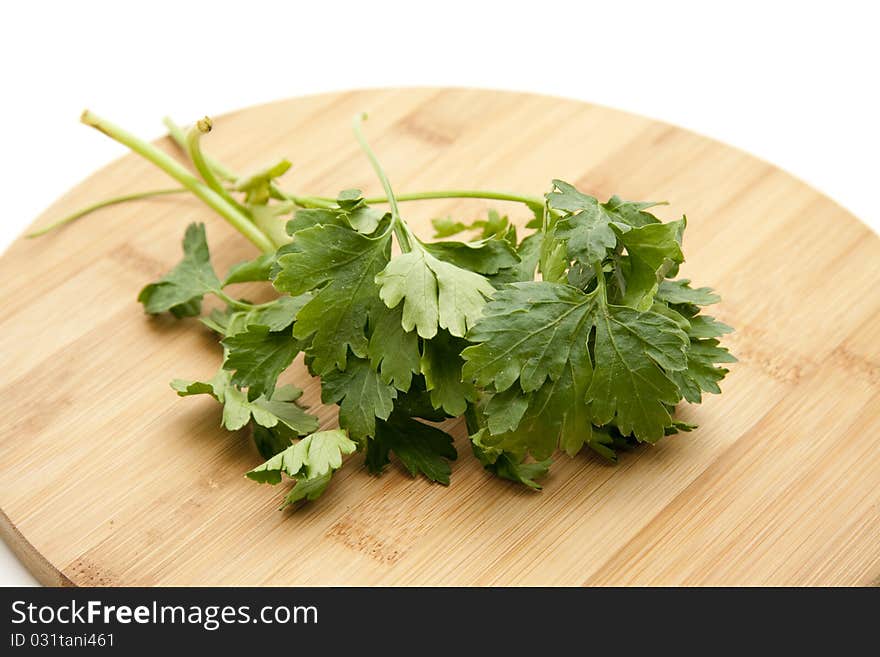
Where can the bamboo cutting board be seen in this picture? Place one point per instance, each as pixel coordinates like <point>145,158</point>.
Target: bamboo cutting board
<point>106,477</point>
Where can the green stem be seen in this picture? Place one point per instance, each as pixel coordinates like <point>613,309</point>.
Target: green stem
<point>301,201</point>
<point>82,212</point>
<point>174,169</point>
<point>309,201</point>
<point>463,193</point>
<point>240,305</point>
<point>401,231</point>
<point>205,170</point>
<point>327,202</point>
<point>178,135</point>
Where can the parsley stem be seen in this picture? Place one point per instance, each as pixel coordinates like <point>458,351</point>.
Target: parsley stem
<point>178,135</point>
<point>327,202</point>
<point>177,171</point>
<point>194,150</point>
<point>531,201</point>
<point>240,305</point>
<point>82,212</point>
<point>401,230</point>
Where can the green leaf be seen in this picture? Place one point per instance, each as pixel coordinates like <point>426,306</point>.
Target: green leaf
<point>311,217</point>
<point>307,489</point>
<point>257,186</point>
<point>441,365</point>
<point>216,387</point>
<point>566,198</point>
<point>258,356</point>
<point>339,266</point>
<point>508,465</point>
<point>435,293</point>
<point>522,473</point>
<point>181,290</point>
<point>257,269</point>
<point>376,455</point>
<point>274,412</point>
<point>526,333</point>
<point>447,227</point>
<point>487,256</point>
<point>421,448</point>
<point>276,316</point>
<point>315,455</point>
<point>555,415</point>
<point>705,326</point>
<point>218,320</point>
<point>528,251</point>
<point>362,396</point>
<point>279,411</point>
<point>310,462</point>
<point>539,332</point>
<point>629,383</point>
<point>631,213</point>
<point>236,409</point>
<point>680,292</point>
<point>270,441</point>
<point>354,209</point>
<point>416,402</point>
<point>279,314</point>
<point>394,352</point>
<point>586,230</point>
<point>701,374</point>
<point>603,444</point>
<point>653,249</point>
<point>655,243</point>
<point>495,225</point>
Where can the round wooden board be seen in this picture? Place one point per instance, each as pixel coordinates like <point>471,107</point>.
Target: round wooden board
<point>108,478</point>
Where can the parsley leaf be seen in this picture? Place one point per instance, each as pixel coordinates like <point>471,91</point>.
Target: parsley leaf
<point>653,250</point>
<point>488,256</point>
<point>269,412</point>
<point>507,465</point>
<point>525,334</point>
<point>441,365</point>
<point>181,290</point>
<point>434,292</point>
<point>421,448</point>
<point>338,265</point>
<point>362,396</point>
<point>535,332</point>
<point>314,456</point>
<point>447,227</point>
<point>680,292</point>
<point>258,356</point>
<point>354,209</point>
<point>257,186</point>
<point>586,230</point>
<point>634,353</point>
<point>310,462</point>
<point>495,225</point>
<point>394,351</point>
<point>703,354</point>
<point>257,269</point>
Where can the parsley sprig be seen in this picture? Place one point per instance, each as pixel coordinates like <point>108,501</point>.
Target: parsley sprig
<point>578,335</point>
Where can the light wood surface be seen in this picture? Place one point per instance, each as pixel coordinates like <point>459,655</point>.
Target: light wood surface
<point>106,477</point>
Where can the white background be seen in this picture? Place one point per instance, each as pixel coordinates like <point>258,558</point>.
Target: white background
<point>794,83</point>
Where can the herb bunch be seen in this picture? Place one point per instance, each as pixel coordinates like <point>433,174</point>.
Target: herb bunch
<point>578,335</point>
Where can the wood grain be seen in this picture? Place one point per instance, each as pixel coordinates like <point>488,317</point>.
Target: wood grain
<point>108,478</point>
